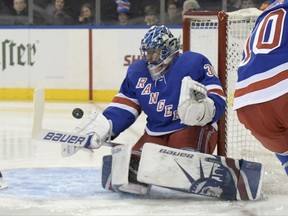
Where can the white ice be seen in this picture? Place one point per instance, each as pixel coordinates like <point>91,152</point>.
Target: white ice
<point>41,182</point>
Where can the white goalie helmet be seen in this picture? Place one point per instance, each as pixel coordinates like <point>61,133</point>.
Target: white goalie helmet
<point>158,48</point>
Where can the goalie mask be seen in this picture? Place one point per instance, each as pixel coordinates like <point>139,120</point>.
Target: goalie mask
<point>158,48</point>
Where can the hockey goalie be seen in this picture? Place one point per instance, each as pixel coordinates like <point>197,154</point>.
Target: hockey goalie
<point>183,99</point>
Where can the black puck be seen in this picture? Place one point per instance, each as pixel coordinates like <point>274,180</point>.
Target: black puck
<point>77,113</point>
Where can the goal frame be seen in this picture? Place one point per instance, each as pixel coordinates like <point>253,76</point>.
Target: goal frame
<point>222,37</point>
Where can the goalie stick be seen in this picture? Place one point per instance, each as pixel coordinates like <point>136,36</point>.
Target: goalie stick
<point>71,142</point>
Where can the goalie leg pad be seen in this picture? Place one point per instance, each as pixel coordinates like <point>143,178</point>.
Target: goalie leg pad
<point>284,161</point>
<point>199,173</point>
<point>119,172</point>
<point>134,186</point>
<point>120,164</point>
<point>106,172</point>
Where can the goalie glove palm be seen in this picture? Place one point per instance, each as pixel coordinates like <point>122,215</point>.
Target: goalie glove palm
<point>97,125</point>
<point>194,107</point>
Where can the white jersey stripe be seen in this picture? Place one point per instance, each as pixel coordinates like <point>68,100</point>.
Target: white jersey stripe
<point>125,107</point>
<point>262,76</point>
<point>124,96</point>
<point>262,95</point>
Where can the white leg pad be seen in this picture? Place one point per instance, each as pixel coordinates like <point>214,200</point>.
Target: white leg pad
<point>134,188</point>
<point>159,165</point>
<point>199,173</point>
<point>121,155</point>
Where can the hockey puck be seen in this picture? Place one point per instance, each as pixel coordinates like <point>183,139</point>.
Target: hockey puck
<point>77,113</point>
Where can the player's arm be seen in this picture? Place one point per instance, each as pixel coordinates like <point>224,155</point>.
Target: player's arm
<point>124,108</point>
<point>120,114</point>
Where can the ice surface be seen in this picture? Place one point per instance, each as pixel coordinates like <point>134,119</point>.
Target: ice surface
<point>41,182</point>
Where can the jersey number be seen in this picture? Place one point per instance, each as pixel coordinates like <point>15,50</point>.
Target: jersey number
<point>266,36</point>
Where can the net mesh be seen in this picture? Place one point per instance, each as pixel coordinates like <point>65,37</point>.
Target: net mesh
<point>204,39</point>
<point>240,142</point>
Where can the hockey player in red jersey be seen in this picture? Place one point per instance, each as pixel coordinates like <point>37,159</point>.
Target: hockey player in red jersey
<point>261,95</point>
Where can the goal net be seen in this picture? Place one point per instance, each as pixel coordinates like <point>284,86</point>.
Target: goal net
<point>221,36</point>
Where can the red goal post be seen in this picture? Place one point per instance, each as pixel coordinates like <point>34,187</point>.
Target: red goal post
<point>221,36</point>
<point>201,21</point>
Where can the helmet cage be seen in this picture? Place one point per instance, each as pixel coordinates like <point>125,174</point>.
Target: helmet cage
<point>160,41</point>
<point>158,38</point>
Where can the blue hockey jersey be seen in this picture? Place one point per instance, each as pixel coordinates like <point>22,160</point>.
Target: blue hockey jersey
<point>159,99</point>
<point>263,72</point>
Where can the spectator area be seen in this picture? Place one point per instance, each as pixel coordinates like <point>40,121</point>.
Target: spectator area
<point>104,12</point>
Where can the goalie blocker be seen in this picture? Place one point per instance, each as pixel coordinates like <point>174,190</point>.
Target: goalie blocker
<point>186,171</point>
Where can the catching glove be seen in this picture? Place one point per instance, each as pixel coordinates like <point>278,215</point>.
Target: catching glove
<point>194,107</point>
